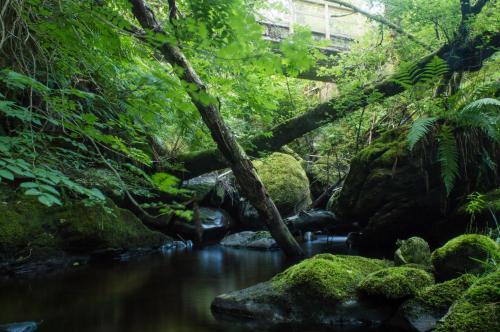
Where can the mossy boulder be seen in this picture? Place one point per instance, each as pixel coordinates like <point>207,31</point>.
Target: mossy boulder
<point>414,250</point>
<point>286,182</point>
<point>464,254</point>
<point>392,192</point>
<point>29,229</point>
<point>478,310</point>
<point>319,291</point>
<point>332,278</point>
<point>431,303</point>
<point>395,283</point>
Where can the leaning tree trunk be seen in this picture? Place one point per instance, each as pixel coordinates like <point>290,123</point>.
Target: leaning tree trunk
<point>244,172</point>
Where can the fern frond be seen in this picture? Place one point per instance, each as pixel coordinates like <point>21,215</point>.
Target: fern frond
<point>482,104</point>
<point>448,157</point>
<point>406,75</point>
<point>433,70</point>
<point>418,130</point>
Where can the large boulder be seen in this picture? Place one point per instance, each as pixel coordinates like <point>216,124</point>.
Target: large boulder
<point>431,303</point>
<point>395,283</point>
<point>478,310</point>
<point>318,291</point>
<point>396,193</point>
<point>467,253</point>
<point>286,182</point>
<point>414,250</point>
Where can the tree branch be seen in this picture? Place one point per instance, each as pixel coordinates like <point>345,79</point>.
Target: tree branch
<point>383,21</point>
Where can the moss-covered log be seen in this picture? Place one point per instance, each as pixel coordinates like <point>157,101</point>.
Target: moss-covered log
<point>467,56</point>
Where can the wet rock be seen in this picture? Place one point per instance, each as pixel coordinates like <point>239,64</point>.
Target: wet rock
<point>477,310</point>
<point>320,291</point>
<point>464,254</point>
<point>311,221</point>
<point>248,239</point>
<point>19,327</point>
<point>213,225</point>
<point>414,250</point>
<point>430,304</point>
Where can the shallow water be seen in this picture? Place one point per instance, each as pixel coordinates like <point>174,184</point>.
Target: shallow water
<point>163,293</point>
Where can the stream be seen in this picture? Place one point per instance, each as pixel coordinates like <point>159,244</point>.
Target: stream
<point>171,292</point>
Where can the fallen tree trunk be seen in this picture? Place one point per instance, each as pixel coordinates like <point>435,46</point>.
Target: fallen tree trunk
<point>468,56</point>
<point>243,170</point>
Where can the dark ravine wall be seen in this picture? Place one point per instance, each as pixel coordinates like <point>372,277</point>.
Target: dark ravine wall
<point>394,193</point>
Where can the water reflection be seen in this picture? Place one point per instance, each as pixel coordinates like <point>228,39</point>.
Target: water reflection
<point>169,293</point>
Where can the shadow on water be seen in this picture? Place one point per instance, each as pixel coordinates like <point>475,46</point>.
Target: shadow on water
<point>167,293</point>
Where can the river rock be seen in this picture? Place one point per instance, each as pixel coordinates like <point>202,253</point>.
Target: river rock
<point>248,239</point>
<point>19,327</point>
<point>414,250</point>
<point>477,310</point>
<point>311,221</point>
<point>464,254</point>
<point>430,304</point>
<point>213,225</point>
<point>320,291</point>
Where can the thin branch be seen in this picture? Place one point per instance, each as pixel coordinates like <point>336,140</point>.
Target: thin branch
<point>383,21</point>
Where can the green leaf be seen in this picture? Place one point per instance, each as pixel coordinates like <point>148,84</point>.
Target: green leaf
<point>418,130</point>
<point>6,174</point>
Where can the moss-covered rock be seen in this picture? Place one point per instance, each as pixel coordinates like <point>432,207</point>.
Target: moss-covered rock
<point>478,310</point>
<point>329,277</point>
<point>431,303</point>
<point>441,296</point>
<point>414,250</point>
<point>392,192</point>
<point>28,228</point>
<point>464,254</point>
<point>395,283</point>
<point>319,291</point>
<point>286,182</point>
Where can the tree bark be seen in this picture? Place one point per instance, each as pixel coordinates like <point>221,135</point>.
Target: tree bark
<point>467,56</point>
<point>243,170</point>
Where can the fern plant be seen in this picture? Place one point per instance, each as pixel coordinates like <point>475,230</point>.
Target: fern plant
<point>448,157</point>
<point>482,114</point>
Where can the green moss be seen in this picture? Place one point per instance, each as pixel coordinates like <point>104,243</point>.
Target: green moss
<point>28,227</point>
<point>413,250</point>
<point>395,282</point>
<point>464,254</point>
<point>285,180</point>
<point>384,149</point>
<point>260,235</point>
<point>331,278</point>
<point>478,310</point>
<point>441,296</point>
<point>98,227</point>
